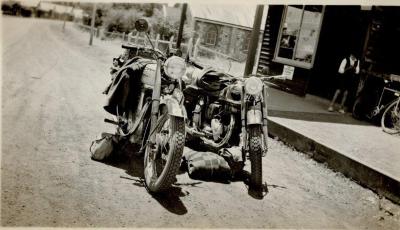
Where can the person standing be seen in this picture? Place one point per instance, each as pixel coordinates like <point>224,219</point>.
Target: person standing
<point>348,69</point>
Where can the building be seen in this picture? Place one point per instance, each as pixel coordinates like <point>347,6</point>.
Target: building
<point>224,28</point>
<point>312,40</point>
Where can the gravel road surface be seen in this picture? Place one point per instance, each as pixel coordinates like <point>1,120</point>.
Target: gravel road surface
<point>51,111</point>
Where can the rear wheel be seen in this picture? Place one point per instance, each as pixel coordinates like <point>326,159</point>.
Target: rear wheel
<point>162,159</point>
<point>255,152</point>
<point>390,120</point>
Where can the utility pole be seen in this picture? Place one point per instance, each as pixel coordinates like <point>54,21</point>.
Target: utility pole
<point>180,32</point>
<point>255,33</point>
<point>92,24</point>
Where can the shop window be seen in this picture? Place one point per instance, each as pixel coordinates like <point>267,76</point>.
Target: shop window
<point>211,36</point>
<point>298,35</point>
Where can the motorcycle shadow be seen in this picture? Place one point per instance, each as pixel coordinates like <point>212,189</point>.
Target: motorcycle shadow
<point>123,157</point>
<point>256,193</point>
<point>171,200</point>
<point>126,158</point>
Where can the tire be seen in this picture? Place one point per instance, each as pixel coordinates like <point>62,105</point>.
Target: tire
<point>390,121</point>
<point>255,152</point>
<point>161,173</point>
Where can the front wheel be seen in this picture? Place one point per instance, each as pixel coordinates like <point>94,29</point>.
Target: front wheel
<point>255,152</point>
<point>162,158</point>
<point>390,120</point>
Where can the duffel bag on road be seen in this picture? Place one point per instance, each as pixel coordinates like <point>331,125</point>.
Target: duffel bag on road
<point>206,166</point>
<point>102,147</point>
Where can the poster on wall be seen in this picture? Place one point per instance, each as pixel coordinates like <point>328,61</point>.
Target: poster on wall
<point>288,72</point>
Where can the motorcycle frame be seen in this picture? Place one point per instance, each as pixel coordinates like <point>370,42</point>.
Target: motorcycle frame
<point>263,122</point>
<point>155,100</point>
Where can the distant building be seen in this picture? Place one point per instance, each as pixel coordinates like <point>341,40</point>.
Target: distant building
<point>224,28</point>
<point>52,10</point>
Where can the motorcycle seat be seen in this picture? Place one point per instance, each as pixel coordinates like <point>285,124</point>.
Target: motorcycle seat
<point>212,80</point>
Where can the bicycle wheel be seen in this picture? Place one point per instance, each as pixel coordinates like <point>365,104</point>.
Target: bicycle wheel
<point>390,120</point>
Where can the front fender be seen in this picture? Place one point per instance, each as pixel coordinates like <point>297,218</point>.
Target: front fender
<point>254,117</point>
<point>173,106</point>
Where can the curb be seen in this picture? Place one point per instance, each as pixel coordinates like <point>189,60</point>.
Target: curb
<point>364,175</point>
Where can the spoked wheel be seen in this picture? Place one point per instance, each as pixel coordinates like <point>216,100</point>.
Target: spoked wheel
<point>390,120</point>
<point>162,159</point>
<point>255,152</point>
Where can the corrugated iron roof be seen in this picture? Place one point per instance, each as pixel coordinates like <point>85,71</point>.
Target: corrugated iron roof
<point>235,14</point>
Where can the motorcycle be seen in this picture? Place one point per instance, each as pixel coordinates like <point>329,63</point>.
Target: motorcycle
<point>219,106</point>
<point>155,118</point>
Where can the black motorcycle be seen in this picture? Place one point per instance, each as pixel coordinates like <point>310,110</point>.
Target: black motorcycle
<point>146,98</point>
<point>220,107</point>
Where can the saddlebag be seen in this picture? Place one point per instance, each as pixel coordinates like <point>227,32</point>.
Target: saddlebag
<point>234,158</point>
<point>206,166</point>
<point>124,92</point>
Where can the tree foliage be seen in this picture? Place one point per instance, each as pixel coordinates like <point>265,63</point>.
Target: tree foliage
<point>165,28</point>
<point>121,17</point>
<point>121,20</point>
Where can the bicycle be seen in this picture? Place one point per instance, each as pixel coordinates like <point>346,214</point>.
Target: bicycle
<point>384,97</point>
<point>390,121</point>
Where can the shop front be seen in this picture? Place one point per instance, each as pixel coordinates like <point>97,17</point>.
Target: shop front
<point>311,41</point>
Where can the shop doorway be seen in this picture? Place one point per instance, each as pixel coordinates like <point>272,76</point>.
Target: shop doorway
<point>343,30</point>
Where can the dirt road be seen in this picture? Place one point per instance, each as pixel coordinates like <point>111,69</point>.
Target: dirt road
<point>52,110</point>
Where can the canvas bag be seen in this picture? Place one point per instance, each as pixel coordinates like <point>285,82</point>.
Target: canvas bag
<point>234,158</point>
<point>102,147</point>
<point>206,166</point>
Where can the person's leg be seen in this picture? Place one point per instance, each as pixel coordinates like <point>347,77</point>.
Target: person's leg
<point>337,92</point>
<point>341,109</point>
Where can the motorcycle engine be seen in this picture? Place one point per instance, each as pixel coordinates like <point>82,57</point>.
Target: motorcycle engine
<point>213,110</point>
<point>213,115</point>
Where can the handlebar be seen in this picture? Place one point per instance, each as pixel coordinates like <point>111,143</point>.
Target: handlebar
<point>158,52</point>
<point>267,78</point>
<point>193,63</point>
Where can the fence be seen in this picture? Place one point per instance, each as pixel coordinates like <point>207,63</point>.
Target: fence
<point>197,52</point>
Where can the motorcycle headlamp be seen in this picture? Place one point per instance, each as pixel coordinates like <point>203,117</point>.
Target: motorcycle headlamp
<point>253,85</point>
<point>175,67</point>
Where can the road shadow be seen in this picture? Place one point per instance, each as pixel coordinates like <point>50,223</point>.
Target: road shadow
<point>256,193</point>
<point>125,157</point>
<point>171,201</point>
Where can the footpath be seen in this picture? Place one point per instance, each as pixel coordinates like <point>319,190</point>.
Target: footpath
<point>358,149</point>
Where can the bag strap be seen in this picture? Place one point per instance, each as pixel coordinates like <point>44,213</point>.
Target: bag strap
<point>225,151</point>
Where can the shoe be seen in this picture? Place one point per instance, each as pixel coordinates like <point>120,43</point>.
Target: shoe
<point>330,109</point>
<point>341,111</point>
